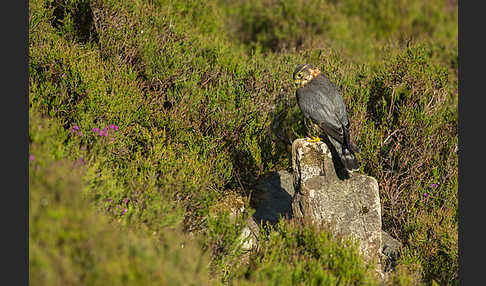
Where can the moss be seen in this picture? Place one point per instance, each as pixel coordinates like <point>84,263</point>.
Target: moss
<point>315,157</point>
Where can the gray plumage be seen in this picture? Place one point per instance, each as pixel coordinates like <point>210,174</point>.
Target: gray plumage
<point>321,103</point>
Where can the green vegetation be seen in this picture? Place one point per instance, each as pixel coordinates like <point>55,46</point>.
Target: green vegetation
<point>194,100</point>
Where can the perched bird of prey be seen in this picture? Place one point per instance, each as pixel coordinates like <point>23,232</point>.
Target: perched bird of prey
<point>322,105</point>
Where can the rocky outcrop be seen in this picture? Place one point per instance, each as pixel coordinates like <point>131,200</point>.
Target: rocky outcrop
<point>318,191</point>
<point>248,238</point>
<point>391,251</point>
<point>348,204</point>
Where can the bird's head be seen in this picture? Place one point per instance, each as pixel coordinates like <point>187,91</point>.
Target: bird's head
<point>304,73</point>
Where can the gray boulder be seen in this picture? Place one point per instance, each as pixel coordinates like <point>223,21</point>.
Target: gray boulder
<point>347,204</point>
<point>321,192</point>
<point>248,238</point>
<point>390,250</point>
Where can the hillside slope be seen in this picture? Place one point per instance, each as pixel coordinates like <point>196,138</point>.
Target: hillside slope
<point>145,116</point>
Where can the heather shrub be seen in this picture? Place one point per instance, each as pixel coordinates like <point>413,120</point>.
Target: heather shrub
<point>158,115</point>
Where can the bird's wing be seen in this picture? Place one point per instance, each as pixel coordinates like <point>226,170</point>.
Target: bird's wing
<point>316,106</point>
<point>328,90</point>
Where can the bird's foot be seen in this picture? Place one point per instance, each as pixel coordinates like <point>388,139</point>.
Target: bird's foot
<point>313,139</point>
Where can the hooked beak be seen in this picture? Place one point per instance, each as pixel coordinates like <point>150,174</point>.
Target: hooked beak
<point>297,83</point>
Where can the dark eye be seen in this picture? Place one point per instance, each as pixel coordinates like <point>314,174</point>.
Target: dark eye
<point>299,75</point>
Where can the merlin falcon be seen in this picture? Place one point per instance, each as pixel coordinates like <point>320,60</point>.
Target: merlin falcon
<point>322,105</point>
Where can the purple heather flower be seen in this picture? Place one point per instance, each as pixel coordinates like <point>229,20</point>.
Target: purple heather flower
<point>112,126</point>
<point>124,211</point>
<point>125,200</point>
<point>31,157</point>
<point>82,161</point>
<point>434,185</point>
<point>79,133</point>
<point>425,194</point>
<point>75,127</point>
<point>96,129</point>
<point>116,128</point>
<point>101,133</point>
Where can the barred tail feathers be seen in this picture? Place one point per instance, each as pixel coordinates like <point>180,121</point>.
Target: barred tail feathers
<point>346,154</point>
<point>349,160</point>
<point>349,150</point>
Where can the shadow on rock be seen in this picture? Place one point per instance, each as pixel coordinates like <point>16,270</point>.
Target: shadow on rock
<point>272,197</point>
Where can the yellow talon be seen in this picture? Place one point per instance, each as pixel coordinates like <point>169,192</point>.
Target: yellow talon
<point>314,139</point>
